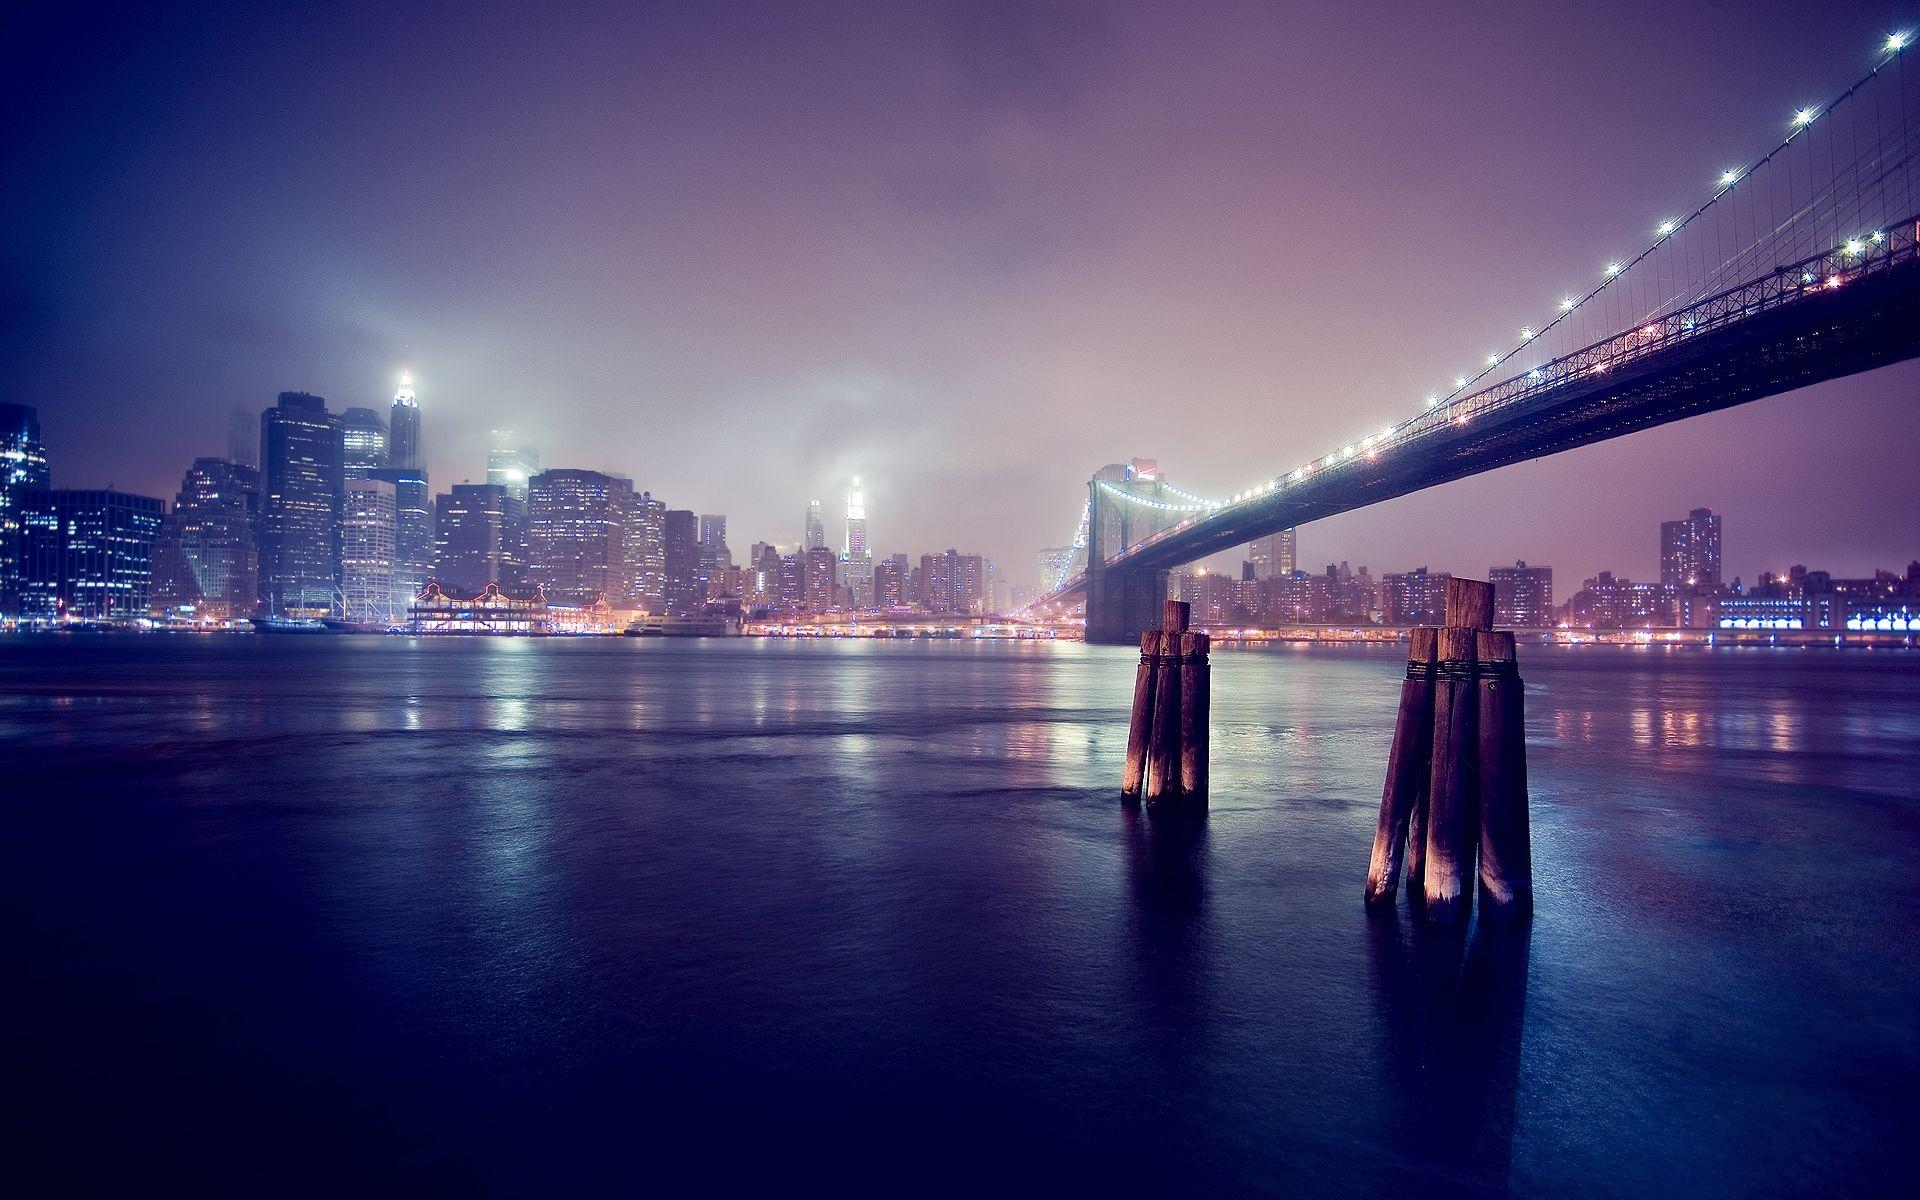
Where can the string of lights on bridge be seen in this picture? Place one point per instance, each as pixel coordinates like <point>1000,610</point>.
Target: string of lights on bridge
<point>1369,446</point>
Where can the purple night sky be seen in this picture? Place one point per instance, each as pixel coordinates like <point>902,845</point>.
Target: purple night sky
<point>969,252</point>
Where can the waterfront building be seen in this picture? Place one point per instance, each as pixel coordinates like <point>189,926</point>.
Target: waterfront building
<point>892,582</point>
<point>1274,556</point>
<point>680,546</point>
<point>243,438</point>
<point>1607,602</point>
<point>1690,551</point>
<point>856,560</point>
<point>87,555</point>
<point>404,450</point>
<point>23,469</point>
<point>1414,597</point>
<point>816,528</point>
<point>646,553</point>
<point>370,586</point>
<point>479,529</point>
<point>577,536</point>
<point>1055,563</point>
<point>820,579</point>
<point>716,560</point>
<point>206,564</point>
<point>301,489</point>
<point>363,438</point>
<point>1522,596</point>
<point>512,462</point>
<point>952,582</point>
<point>413,528</point>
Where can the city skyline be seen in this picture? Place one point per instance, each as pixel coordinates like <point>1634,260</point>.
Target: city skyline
<point>735,388</point>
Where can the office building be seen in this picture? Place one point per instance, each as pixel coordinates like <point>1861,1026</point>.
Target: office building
<point>680,552</point>
<point>647,553</point>
<point>577,523</point>
<point>816,528</point>
<point>1274,556</point>
<point>716,560</point>
<point>87,555</point>
<point>413,528</point>
<point>892,582</point>
<point>1690,551</point>
<point>404,450</point>
<point>1414,597</point>
<point>819,580</point>
<point>511,463</point>
<point>952,582</point>
<point>302,476</point>
<point>1522,596</point>
<point>23,469</point>
<point>363,438</point>
<point>206,564</point>
<point>370,586</point>
<point>243,438</point>
<point>479,530</point>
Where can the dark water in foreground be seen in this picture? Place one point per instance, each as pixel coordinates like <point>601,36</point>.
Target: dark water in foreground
<point>359,914</point>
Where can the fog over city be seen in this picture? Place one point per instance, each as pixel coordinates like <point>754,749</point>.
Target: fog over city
<point>969,253</point>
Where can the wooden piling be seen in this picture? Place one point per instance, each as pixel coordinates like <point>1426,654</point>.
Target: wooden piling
<point>1469,604</point>
<point>1195,699</point>
<point>1453,832</point>
<point>1177,614</point>
<point>1409,765</point>
<point>1163,742</point>
<point>1506,853</point>
<point>1140,722</point>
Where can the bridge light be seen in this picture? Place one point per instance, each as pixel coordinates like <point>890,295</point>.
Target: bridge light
<point>1536,373</point>
<point>1729,177</point>
<point>1299,474</point>
<point>1667,227</point>
<point>1613,268</point>
<point>1493,360</point>
<point>1433,401</point>
<point>1856,246</point>
<point>1833,281</point>
<point>1386,433</point>
<point>1366,441</point>
<point>1878,237</point>
<point>1806,277</point>
<point>1566,305</point>
<point>1460,381</point>
<point>1896,42</point>
<point>1346,452</point>
<point>1649,330</point>
<point>1805,117</point>
<point>1526,333</point>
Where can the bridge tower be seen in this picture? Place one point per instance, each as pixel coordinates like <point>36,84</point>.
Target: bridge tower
<point>1122,602</point>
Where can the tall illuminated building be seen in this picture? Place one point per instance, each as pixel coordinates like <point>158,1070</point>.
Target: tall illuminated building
<point>647,553</point>
<point>577,536</point>
<point>1690,551</point>
<point>1522,596</point>
<point>413,527</point>
<point>856,521</point>
<point>680,550</point>
<point>856,562</point>
<point>207,563</point>
<point>243,438</point>
<point>87,555</point>
<point>511,462</point>
<point>1273,556</point>
<point>479,532</point>
<point>370,588</point>
<point>363,434</point>
<point>23,469</point>
<point>302,457</point>
<point>404,419</point>
<point>816,528</point>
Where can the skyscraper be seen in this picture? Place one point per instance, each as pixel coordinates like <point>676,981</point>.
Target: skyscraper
<point>479,529</point>
<point>363,433</point>
<point>23,469</point>
<point>413,528</point>
<point>577,536</point>
<point>816,528</point>
<point>511,462</point>
<point>1273,556</point>
<point>87,555</point>
<point>243,438</point>
<point>818,579</point>
<point>680,544</point>
<point>369,585</point>
<point>856,521</point>
<point>856,562</point>
<point>207,563</point>
<point>647,553</point>
<point>302,477</point>
<point>1690,551</point>
<point>404,450</point>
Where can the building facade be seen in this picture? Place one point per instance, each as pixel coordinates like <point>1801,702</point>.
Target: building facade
<point>1690,551</point>
<point>404,450</point>
<point>207,562</point>
<point>512,462</point>
<point>1522,596</point>
<point>370,585</point>
<point>88,555</point>
<point>23,469</point>
<point>363,438</point>
<point>479,529</point>
<point>302,453</point>
<point>1274,556</point>
<point>577,525</point>
<point>680,552</point>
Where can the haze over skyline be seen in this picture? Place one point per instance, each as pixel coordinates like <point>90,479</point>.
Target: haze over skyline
<point>968,253</point>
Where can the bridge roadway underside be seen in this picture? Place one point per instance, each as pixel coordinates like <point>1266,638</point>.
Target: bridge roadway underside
<point>1872,322</point>
<point>1123,603</point>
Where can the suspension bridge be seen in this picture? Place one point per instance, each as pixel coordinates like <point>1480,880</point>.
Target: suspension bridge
<point>1799,266</point>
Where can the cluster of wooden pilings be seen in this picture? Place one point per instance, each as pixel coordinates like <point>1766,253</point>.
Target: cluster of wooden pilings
<point>1456,785</point>
<point>1167,735</point>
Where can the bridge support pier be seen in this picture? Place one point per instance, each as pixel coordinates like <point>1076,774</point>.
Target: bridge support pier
<point>1123,603</point>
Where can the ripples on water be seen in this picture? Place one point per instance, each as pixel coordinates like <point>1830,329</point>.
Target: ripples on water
<point>520,916</point>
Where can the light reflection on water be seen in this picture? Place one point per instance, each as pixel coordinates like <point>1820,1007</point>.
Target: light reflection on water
<point>641,895</point>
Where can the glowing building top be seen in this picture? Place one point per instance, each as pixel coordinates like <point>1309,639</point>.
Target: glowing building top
<point>856,521</point>
<point>404,397</point>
